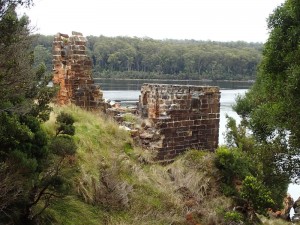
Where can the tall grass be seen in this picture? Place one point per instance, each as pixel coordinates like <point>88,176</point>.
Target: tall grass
<point>117,183</point>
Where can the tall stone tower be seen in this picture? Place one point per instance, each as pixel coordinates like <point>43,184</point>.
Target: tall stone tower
<point>73,73</point>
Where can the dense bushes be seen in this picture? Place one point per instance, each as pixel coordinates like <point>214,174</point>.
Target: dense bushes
<point>250,172</point>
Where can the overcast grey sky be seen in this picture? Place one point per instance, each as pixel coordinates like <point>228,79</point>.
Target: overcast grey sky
<point>217,20</point>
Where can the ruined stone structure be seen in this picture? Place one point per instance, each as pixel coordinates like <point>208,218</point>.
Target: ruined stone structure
<point>72,71</point>
<point>183,117</point>
<point>176,117</point>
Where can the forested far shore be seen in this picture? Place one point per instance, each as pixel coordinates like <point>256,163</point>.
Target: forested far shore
<point>146,58</point>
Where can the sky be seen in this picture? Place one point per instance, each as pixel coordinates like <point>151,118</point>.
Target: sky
<point>215,20</point>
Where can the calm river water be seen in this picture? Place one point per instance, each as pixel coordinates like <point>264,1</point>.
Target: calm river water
<point>128,91</point>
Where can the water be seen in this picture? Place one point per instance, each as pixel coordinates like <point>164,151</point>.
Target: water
<point>128,91</point>
<point>129,85</point>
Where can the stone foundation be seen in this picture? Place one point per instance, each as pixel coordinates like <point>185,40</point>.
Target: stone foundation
<point>182,117</point>
<point>72,72</point>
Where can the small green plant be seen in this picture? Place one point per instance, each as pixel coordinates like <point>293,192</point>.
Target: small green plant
<point>195,156</point>
<point>233,216</point>
<point>129,117</point>
<point>128,149</point>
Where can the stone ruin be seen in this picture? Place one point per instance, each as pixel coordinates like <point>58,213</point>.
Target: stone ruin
<point>175,117</point>
<point>182,118</point>
<point>72,72</point>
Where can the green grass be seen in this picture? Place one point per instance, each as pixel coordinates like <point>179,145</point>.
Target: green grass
<point>72,211</point>
<point>274,221</point>
<point>117,183</point>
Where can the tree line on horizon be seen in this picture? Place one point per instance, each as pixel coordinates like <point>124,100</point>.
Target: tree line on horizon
<point>146,58</point>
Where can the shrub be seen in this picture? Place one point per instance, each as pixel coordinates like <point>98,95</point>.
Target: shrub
<point>65,124</point>
<point>256,195</point>
<point>63,145</point>
<point>232,163</point>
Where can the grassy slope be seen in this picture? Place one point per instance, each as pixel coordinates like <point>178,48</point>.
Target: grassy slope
<point>116,183</point>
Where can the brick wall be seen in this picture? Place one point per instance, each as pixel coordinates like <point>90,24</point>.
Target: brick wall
<point>185,117</point>
<point>72,72</point>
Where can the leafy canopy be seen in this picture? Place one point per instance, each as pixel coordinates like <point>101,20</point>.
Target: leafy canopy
<point>272,105</point>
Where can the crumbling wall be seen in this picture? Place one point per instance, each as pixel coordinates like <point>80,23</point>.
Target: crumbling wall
<point>182,117</point>
<point>72,72</point>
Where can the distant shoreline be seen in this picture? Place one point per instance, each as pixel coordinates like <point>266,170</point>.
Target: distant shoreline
<point>234,81</point>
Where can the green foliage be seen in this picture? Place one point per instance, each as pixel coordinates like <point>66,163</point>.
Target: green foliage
<point>63,145</point>
<point>65,124</point>
<point>42,93</point>
<point>6,4</point>
<point>145,58</point>
<point>271,107</point>
<point>28,153</point>
<point>263,161</point>
<point>15,61</point>
<point>22,140</point>
<point>238,137</point>
<point>195,156</point>
<point>173,59</point>
<point>272,104</point>
<point>42,56</point>
<point>228,189</point>
<point>232,163</point>
<point>257,195</point>
<point>233,216</point>
<point>128,149</point>
<point>65,118</point>
<point>71,211</point>
<point>129,117</point>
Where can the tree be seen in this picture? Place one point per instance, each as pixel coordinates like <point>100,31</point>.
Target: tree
<point>16,74</point>
<point>147,58</point>
<point>6,4</point>
<point>42,56</point>
<point>271,107</point>
<point>272,104</point>
<point>50,182</point>
<point>30,161</point>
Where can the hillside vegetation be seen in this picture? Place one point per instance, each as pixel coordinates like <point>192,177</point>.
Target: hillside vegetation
<point>117,183</point>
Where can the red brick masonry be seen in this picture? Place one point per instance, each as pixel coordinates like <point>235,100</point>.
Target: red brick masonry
<point>72,72</point>
<point>186,117</point>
